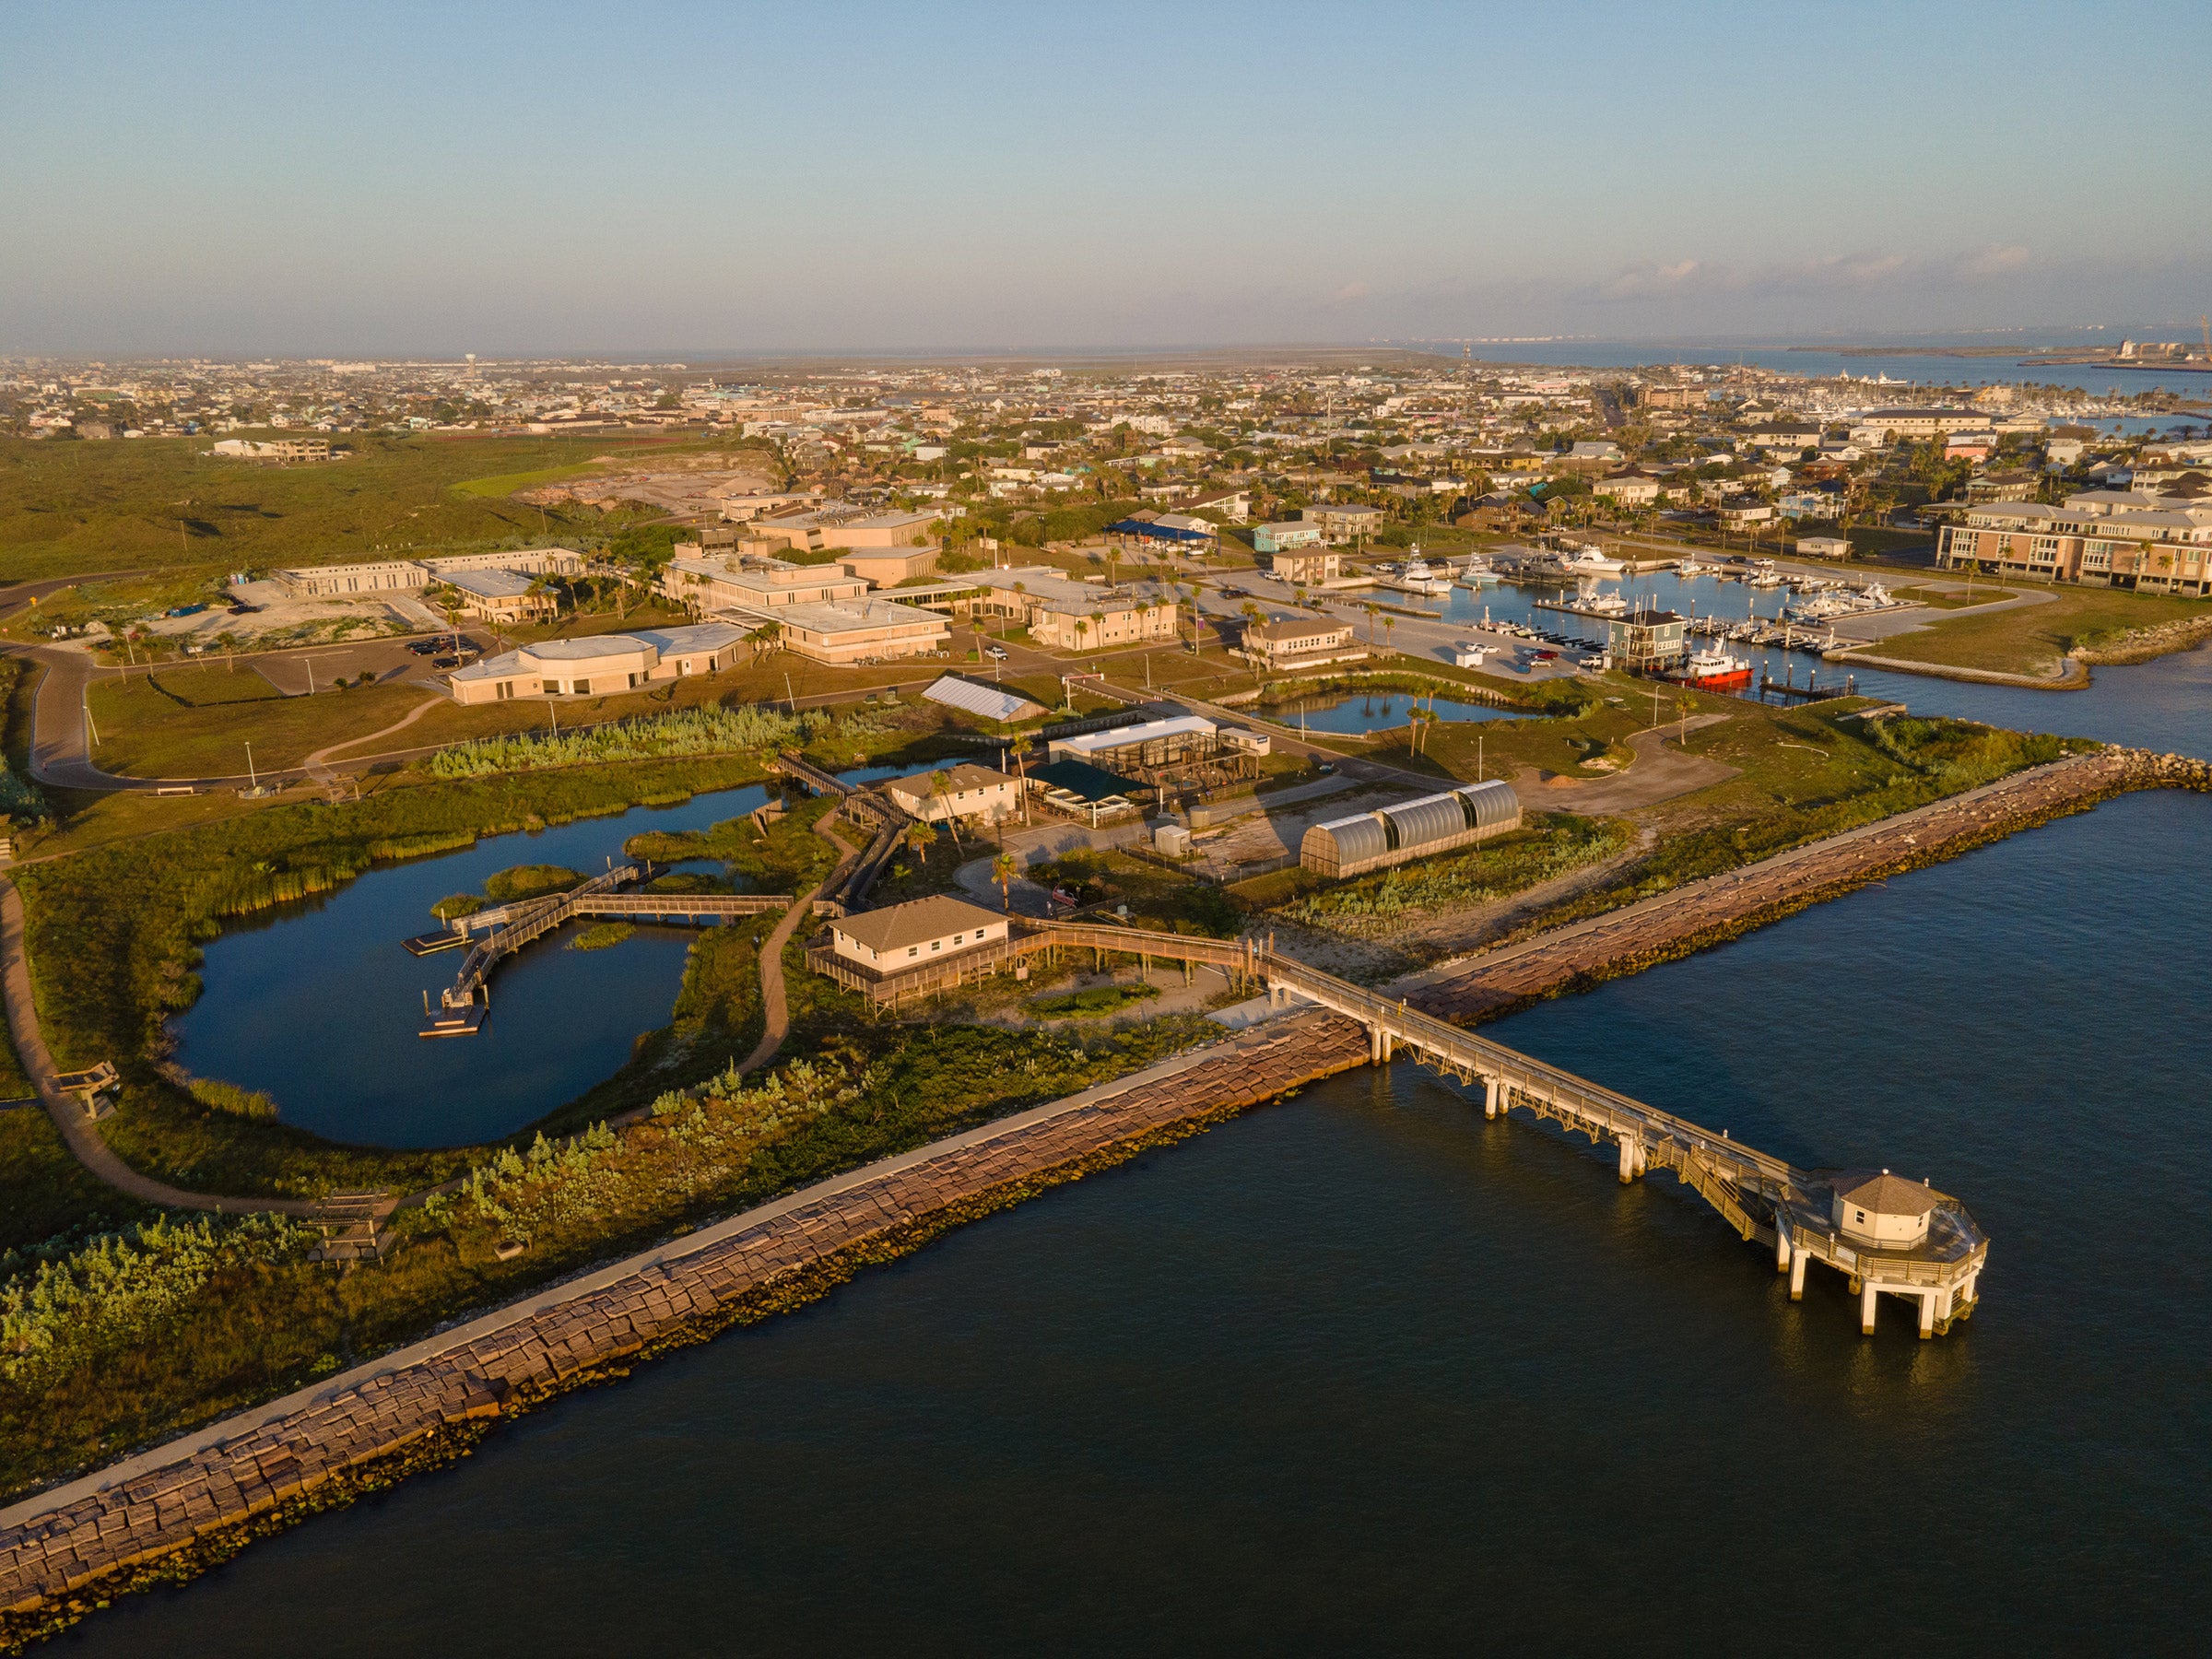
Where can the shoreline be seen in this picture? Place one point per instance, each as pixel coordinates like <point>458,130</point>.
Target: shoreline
<point>192,1501</point>
<point>2141,645</point>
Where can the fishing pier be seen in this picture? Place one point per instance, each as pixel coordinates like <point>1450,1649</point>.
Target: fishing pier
<point>617,894</point>
<point>1910,1240</point>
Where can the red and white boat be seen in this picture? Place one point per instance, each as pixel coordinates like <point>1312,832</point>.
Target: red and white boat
<point>1710,670</point>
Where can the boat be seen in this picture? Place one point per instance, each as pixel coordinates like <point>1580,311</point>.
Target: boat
<point>1711,670</point>
<point>1418,578</point>
<point>1589,562</point>
<point>1476,572</point>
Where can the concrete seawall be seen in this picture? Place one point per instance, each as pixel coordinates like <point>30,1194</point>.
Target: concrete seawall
<point>95,1535</point>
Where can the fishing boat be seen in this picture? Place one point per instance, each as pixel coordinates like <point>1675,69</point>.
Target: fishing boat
<point>1589,562</point>
<point>1476,574</point>
<point>1418,578</point>
<point>1713,670</point>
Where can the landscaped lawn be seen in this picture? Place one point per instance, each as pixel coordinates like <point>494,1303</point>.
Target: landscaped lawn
<point>2033,638</point>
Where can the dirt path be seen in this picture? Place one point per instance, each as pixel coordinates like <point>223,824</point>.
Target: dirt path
<point>1658,774</point>
<point>401,725</point>
<point>77,1131</point>
<point>775,1000</point>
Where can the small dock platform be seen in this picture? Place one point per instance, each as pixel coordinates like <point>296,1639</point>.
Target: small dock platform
<point>455,1022</point>
<point>430,944</point>
<point>1790,691</point>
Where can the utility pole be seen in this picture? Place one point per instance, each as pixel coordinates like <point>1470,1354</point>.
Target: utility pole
<point>253,779</point>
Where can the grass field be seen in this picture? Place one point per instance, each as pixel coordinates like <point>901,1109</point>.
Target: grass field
<point>2033,638</point>
<point>161,503</point>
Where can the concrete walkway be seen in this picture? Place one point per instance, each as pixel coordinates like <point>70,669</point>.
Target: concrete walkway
<point>80,1133</point>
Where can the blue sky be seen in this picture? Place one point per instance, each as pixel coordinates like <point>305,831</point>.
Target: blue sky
<point>396,178</point>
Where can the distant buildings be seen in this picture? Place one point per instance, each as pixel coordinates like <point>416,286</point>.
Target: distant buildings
<point>278,451</point>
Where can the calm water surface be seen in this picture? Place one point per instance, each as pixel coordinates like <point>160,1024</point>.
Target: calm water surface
<point>1382,711</point>
<point>1364,1371</point>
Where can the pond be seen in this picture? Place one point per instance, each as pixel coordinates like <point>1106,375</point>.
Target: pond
<point>1379,712</point>
<point>316,1004</point>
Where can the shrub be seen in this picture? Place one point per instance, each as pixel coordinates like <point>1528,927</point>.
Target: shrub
<point>219,1095</point>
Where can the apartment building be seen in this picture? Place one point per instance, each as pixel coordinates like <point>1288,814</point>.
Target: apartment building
<point>756,583</point>
<point>1344,521</point>
<point>2099,537</point>
<point>1065,615</point>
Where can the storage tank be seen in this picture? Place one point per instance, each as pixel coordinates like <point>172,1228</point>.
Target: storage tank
<point>1374,840</point>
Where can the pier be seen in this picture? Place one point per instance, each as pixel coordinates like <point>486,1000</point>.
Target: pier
<point>1796,1213</point>
<point>460,1011</point>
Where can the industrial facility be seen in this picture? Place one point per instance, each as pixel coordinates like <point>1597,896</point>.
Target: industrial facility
<point>1374,840</point>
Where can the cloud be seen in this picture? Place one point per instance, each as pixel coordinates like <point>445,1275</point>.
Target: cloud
<point>1348,294</point>
<point>1828,274</point>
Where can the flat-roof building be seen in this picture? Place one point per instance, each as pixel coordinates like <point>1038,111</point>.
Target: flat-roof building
<point>861,631</point>
<point>1075,615</point>
<point>2099,537</point>
<point>597,664</point>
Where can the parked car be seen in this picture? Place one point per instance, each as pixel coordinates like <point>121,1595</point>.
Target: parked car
<point>996,652</point>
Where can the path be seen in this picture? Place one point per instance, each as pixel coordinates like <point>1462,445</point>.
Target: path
<point>77,1129</point>
<point>413,715</point>
<point>775,1000</point>
<point>1658,774</point>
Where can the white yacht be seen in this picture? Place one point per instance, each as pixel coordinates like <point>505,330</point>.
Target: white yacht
<point>1589,562</point>
<point>1418,578</point>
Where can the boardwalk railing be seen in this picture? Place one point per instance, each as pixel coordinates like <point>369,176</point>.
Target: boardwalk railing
<point>1763,1197</point>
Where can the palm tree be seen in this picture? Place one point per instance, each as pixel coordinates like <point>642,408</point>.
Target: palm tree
<point>921,836</point>
<point>1389,627</point>
<point>940,789</point>
<point>1373,610</point>
<point>1003,871</point>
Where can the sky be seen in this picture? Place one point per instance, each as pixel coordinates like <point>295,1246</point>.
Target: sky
<point>390,178</point>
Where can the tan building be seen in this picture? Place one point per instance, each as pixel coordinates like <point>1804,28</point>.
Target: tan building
<point>749,582</point>
<point>413,575</point>
<point>920,934</point>
<point>598,664</point>
<point>867,630</point>
<point>1065,615</point>
<point>1299,641</point>
<point>1304,564</point>
<point>501,596</point>
<point>888,567</point>
<point>1346,522</point>
<point>2100,537</point>
<point>965,791</point>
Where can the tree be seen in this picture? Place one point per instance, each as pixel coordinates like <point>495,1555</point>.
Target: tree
<point>940,789</point>
<point>921,836</point>
<point>1003,871</point>
<point>1373,610</point>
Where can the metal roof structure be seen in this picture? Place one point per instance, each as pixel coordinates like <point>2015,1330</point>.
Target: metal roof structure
<point>993,703</point>
<point>1080,778</point>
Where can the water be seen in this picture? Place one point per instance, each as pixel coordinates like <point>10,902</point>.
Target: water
<point>1916,369</point>
<point>1382,711</point>
<point>1364,1371</point>
<point>316,1003</point>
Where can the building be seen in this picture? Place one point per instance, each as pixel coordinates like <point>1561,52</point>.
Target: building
<point>2014,483</point>
<point>1374,840</point>
<point>1287,536</point>
<point>1810,503</point>
<point>1293,642</point>
<point>1736,516</point>
<point>1235,505</point>
<point>413,575</point>
<point>922,930</point>
<point>757,584</point>
<point>1824,547</point>
<point>1629,489</point>
<point>1345,522</point>
<point>1125,750</point>
<point>966,791</point>
<point>2099,537</point>
<point>888,567</point>
<point>1886,1211</point>
<point>278,451</point>
<point>1309,564</point>
<point>1065,615</point>
<point>596,665</point>
<point>1882,425</point>
<point>1646,641</point>
<point>501,597</point>
<point>866,630</point>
